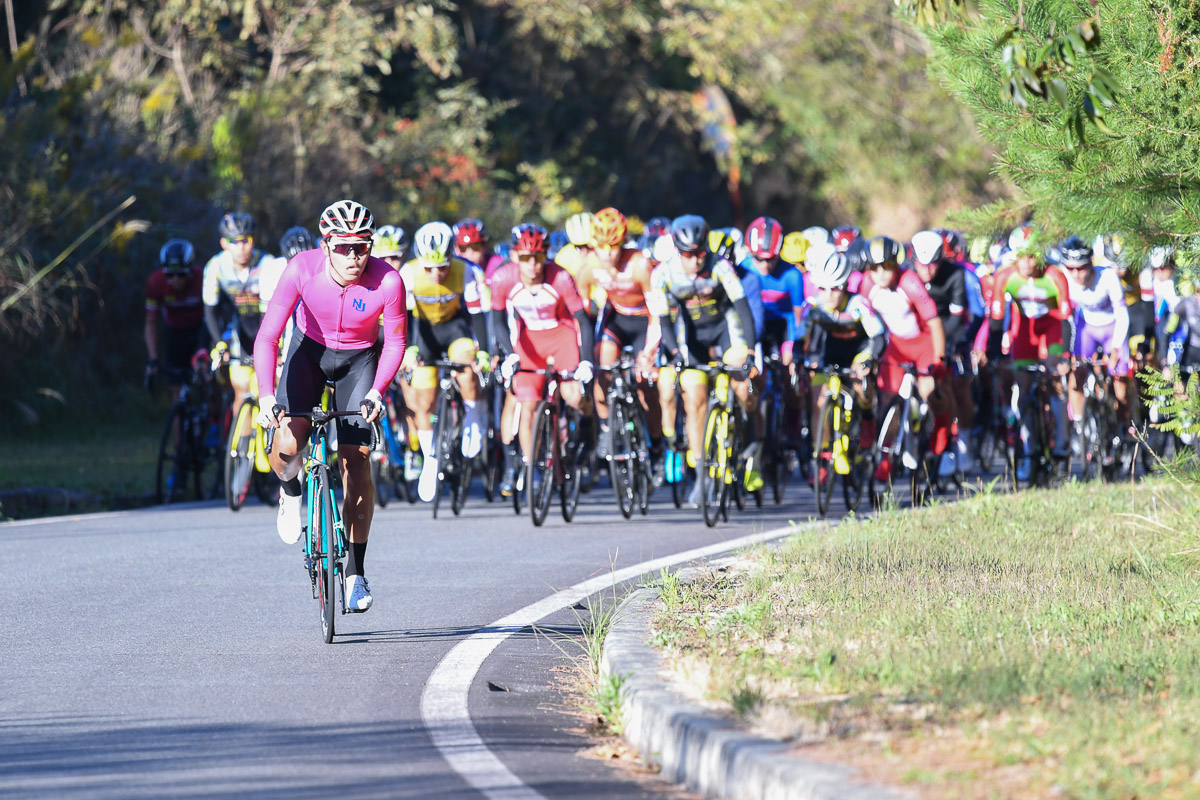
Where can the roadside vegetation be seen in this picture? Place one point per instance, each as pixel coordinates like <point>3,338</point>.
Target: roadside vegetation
<point>1045,644</point>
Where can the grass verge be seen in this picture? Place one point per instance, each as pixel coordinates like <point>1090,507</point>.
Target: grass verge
<point>1045,644</point>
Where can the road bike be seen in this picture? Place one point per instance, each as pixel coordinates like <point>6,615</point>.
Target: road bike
<point>1035,415</point>
<point>454,469</point>
<point>836,446</point>
<point>776,404</point>
<point>246,464</point>
<point>1099,429</point>
<point>629,467</point>
<point>554,458</point>
<point>187,451</point>
<point>903,441</point>
<point>324,534</point>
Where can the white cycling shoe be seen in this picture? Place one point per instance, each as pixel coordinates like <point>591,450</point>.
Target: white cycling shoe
<point>358,594</point>
<point>287,523</point>
<point>472,438</point>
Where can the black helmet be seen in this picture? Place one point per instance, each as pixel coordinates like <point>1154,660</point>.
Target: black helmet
<point>882,250</point>
<point>1075,252</point>
<point>176,255</point>
<point>296,240</point>
<point>235,224</point>
<point>690,233</point>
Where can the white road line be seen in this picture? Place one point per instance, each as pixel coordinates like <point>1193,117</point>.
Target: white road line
<point>444,702</point>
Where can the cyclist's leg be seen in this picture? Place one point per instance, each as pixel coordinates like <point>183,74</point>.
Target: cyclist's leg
<point>608,351</point>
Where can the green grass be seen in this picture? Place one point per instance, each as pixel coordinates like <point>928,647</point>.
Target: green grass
<point>1052,633</point>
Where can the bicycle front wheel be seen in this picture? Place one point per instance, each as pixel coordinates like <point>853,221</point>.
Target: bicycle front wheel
<point>539,478</point>
<point>888,442</point>
<point>239,456</point>
<point>822,466</point>
<point>169,477</point>
<point>570,451</point>
<point>712,473</point>
<point>326,550</point>
<point>620,465</point>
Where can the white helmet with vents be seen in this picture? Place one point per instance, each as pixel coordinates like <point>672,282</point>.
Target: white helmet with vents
<point>346,218</point>
<point>434,242</point>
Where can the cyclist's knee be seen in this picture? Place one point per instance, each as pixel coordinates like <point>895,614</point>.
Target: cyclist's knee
<point>424,378</point>
<point>462,351</point>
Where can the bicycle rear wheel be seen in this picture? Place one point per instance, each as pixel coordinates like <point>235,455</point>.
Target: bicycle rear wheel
<point>822,465</point>
<point>239,456</point>
<point>539,477</point>
<point>922,479</point>
<point>861,466</point>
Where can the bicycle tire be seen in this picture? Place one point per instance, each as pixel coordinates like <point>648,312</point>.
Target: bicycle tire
<point>570,446</point>
<point>166,471</point>
<point>922,480</point>
<point>887,449</point>
<point>542,463</point>
<point>711,474</point>
<point>327,541</point>
<point>1089,443</point>
<point>825,430</point>
<point>443,444</point>
<point>861,465</point>
<point>239,458</point>
<point>679,485</point>
<point>620,466</point>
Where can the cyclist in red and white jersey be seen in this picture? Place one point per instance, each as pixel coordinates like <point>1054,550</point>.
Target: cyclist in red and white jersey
<point>339,293</point>
<point>915,332</point>
<point>538,317</point>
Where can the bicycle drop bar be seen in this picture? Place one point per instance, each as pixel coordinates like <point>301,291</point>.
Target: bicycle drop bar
<point>321,417</point>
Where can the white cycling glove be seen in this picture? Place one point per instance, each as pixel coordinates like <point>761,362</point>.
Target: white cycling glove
<point>266,412</point>
<point>510,365</point>
<point>583,373</point>
<point>371,403</point>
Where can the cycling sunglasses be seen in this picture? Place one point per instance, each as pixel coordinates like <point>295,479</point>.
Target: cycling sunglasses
<point>351,249</point>
<point>239,239</point>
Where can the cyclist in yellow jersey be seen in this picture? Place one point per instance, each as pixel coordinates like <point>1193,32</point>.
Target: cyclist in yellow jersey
<point>446,298</point>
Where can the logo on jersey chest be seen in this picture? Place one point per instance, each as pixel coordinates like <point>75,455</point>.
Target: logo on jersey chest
<point>360,304</point>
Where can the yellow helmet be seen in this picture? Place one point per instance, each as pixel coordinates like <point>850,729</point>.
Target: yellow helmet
<point>795,248</point>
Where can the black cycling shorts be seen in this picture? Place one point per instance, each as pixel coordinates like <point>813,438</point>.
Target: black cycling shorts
<point>433,341</point>
<point>310,365</point>
<point>624,330</point>
<point>1141,323</point>
<point>707,343</point>
<point>775,333</point>
<point>179,345</point>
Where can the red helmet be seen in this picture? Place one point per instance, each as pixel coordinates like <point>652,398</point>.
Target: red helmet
<point>470,231</point>
<point>529,238</point>
<point>844,236</point>
<point>764,237</point>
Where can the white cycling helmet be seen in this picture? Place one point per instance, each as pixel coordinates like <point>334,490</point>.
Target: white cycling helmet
<point>927,246</point>
<point>1161,256</point>
<point>579,229</point>
<point>434,242</point>
<point>817,235</point>
<point>348,219</point>
<point>828,268</point>
<point>389,240</point>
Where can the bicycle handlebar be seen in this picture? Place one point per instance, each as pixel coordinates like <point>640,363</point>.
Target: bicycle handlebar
<point>319,416</point>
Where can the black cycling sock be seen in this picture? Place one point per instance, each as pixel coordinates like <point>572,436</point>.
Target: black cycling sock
<point>354,558</point>
<point>292,487</point>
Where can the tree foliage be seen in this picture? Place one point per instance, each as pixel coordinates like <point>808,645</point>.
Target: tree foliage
<point>1099,135</point>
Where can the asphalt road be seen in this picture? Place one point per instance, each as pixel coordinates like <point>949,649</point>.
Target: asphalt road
<point>177,652</point>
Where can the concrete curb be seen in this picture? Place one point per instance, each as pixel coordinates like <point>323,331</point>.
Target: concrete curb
<point>698,748</point>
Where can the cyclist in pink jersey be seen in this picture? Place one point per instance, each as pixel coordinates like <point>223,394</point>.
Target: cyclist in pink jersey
<point>538,316</point>
<point>339,293</point>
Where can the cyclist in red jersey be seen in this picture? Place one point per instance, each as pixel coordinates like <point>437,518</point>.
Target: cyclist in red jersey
<point>915,332</point>
<point>173,292</point>
<point>538,317</point>
<point>339,293</point>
